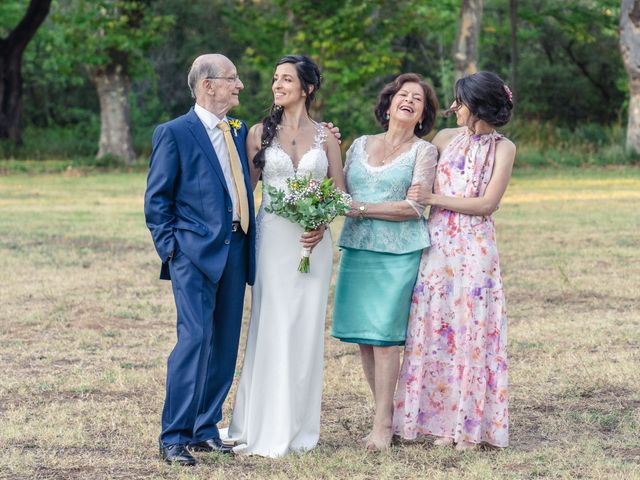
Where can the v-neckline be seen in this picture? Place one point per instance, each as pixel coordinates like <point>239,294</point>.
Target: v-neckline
<point>295,166</point>
<point>316,145</point>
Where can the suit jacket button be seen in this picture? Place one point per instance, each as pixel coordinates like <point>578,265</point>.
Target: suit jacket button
<point>229,209</point>
<point>227,242</point>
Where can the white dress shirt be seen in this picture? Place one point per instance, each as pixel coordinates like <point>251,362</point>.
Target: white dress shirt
<point>210,122</point>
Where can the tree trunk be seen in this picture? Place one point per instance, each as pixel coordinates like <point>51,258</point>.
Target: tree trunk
<point>465,55</point>
<point>10,93</point>
<point>513,15</point>
<point>11,50</point>
<point>630,48</point>
<point>113,84</point>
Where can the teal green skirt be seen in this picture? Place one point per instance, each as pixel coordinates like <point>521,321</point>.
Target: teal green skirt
<point>373,296</point>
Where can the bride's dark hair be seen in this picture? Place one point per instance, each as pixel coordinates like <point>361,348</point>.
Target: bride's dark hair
<point>309,76</point>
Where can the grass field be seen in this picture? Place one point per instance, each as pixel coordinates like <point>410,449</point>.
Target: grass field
<point>85,329</point>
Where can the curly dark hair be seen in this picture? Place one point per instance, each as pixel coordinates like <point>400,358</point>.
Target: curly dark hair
<point>389,91</point>
<point>309,76</point>
<point>486,96</point>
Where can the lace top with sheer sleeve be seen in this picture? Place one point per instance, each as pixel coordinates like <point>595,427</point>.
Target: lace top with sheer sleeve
<point>387,183</point>
<point>424,172</point>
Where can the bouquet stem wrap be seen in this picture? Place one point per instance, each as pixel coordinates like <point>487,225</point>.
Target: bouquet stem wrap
<point>303,266</point>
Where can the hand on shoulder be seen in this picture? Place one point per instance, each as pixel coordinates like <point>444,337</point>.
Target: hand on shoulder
<point>333,136</point>
<point>333,132</point>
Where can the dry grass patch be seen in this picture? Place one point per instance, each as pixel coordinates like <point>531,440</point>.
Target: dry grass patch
<point>85,329</point>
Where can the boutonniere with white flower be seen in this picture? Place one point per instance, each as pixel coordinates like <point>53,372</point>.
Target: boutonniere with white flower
<point>235,124</point>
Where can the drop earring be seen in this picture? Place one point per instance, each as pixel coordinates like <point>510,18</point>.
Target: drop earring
<point>386,116</point>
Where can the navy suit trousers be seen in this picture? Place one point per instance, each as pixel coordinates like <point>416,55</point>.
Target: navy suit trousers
<point>201,366</point>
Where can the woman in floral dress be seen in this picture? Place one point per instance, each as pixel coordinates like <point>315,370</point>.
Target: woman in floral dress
<point>453,379</point>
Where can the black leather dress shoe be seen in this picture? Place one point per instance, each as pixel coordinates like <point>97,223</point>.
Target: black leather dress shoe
<point>177,455</point>
<point>211,445</point>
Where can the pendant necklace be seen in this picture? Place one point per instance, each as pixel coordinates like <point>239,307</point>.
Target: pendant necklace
<point>293,140</point>
<point>393,150</point>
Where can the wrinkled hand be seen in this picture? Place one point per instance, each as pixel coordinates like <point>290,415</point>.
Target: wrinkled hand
<point>312,238</point>
<point>420,194</point>
<point>354,210</point>
<point>334,130</point>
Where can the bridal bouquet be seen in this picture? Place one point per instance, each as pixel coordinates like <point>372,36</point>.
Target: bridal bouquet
<point>309,203</point>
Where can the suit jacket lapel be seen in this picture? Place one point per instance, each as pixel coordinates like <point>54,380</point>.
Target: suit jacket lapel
<point>200,134</point>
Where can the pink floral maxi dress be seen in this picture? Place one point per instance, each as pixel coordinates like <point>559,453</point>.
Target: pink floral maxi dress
<point>453,380</point>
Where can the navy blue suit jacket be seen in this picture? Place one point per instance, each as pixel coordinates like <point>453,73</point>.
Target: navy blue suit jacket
<point>187,205</point>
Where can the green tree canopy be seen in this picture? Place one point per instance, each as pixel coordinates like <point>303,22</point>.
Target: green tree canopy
<point>569,69</point>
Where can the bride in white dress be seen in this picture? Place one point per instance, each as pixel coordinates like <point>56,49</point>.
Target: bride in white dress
<point>277,405</point>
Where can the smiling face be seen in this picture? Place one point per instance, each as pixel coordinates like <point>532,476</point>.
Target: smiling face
<point>219,94</point>
<point>407,106</point>
<point>286,87</point>
<point>224,90</point>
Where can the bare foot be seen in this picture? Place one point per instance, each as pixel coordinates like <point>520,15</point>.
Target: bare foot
<point>376,445</point>
<point>379,439</point>
<point>464,446</point>
<point>443,442</point>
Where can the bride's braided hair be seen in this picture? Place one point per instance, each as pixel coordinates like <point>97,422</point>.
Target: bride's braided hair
<point>309,75</point>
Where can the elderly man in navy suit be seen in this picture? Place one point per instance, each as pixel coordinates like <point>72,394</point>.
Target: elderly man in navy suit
<point>199,208</point>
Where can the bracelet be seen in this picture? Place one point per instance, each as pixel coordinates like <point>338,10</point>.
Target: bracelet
<point>361,211</point>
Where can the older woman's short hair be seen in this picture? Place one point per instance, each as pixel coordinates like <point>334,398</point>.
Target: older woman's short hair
<point>430,102</point>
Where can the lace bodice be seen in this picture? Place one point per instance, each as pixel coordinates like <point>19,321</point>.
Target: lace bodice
<point>279,166</point>
<point>387,183</point>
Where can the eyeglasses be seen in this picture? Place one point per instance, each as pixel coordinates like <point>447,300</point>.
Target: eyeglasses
<point>232,79</point>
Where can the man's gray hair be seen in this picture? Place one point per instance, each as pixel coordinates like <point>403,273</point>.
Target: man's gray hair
<point>199,70</point>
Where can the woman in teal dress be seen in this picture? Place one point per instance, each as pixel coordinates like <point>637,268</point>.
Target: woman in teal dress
<point>383,238</point>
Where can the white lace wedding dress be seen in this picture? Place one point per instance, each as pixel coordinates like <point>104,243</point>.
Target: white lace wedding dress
<point>277,405</point>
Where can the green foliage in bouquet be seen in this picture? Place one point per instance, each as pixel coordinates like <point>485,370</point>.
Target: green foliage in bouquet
<point>309,203</point>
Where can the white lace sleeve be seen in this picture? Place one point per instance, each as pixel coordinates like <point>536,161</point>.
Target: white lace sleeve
<point>424,171</point>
